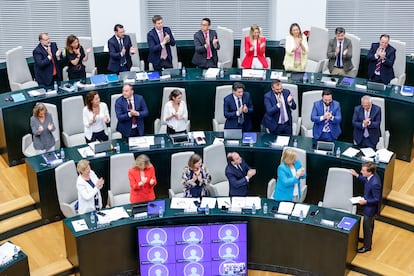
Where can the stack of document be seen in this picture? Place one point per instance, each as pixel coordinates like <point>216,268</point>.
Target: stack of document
<point>278,75</point>
<point>210,201</point>
<point>211,73</point>
<point>246,202</point>
<point>79,225</point>
<point>253,73</point>
<point>141,142</point>
<point>281,141</point>
<point>7,252</point>
<point>356,199</point>
<point>184,202</point>
<point>112,215</point>
<point>37,92</point>
<point>285,208</point>
<point>199,137</point>
<point>300,208</point>
<point>351,152</point>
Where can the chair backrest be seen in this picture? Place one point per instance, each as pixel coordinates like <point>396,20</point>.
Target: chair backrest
<point>119,166</point>
<point>52,109</point>
<point>136,60</point>
<point>90,67</point>
<point>293,88</point>
<point>165,95</point>
<point>338,190</point>
<point>226,53</point>
<point>72,115</point>
<point>308,98</point>
<point>215,160</point>
<point>175,61</point>
<point>114,119</point>
<point>221,92</point>
<point>356,52</point>
<point>271,185</point>
<point>318,43</point>
<point>18,69</point>
<point>400,57</point>
<point>245,32</point>
<point>178,161</point>
<point>381,103</point>
<point>67,193</point>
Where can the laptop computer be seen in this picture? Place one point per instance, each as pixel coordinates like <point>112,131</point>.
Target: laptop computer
<point>371,85</point>
<point>233,134</point>
<point>297,76</point>
<point>172,72</point>
<point>179,138</point>
<point>98,79</point>
<point>102,147</point>
<point>127,75</point>
<point>325,146</point>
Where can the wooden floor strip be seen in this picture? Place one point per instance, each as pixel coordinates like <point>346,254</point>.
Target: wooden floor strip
<point>19,220</point>
<point>16,204</point>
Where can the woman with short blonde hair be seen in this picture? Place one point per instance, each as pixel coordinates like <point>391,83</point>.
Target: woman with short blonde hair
<point>142,180</point>
<point>89,188</point>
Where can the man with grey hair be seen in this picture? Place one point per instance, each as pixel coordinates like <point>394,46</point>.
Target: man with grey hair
<point>340,53</point>
<point>366,122</point>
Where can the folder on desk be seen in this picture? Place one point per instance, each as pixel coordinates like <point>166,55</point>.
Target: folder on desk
<point>347,223</point>
<point>153,75</point>
<point>249,137</point>
<point>98,79</point>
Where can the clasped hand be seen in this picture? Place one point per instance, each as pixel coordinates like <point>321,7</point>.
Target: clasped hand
<point>99,184</point>
<point>327,115</point>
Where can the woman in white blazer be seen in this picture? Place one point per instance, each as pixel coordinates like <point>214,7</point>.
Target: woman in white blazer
<point>95,118</point>
<point>88,186</point>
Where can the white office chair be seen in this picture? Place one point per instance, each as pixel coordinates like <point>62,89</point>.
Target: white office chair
<point>120,188</point>
<point>400,61</point>
<point>66,177</point>
<point>18,70</point>
<point>225,55</point>
<point>338,191</point>
<point>178,161</point>
<point>271,186</point>
<point>296,120</point>
<point>114,120</point>
<point>301,156</point>
<point>72,121</point>
<point>219,120</point>
<point>385,134</point>
<point>356,53</point>
<point>246,32</point>
<point>137,63</point>
<point>318,46</point>
<point>159,125</point>
<point>215,161</point>
<point>308,98</point>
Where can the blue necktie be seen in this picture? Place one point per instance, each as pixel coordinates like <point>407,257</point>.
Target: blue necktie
<point>240,120</point>
<point>123,58</point>
<point>339,57</point>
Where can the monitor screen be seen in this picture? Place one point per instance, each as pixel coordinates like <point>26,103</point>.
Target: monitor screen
<point>206,249</point>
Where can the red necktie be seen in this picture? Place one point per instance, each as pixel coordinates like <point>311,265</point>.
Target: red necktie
<point>378,65</point>
<point>208,46</point>
<point>163,49</point>
<point>133,118</point>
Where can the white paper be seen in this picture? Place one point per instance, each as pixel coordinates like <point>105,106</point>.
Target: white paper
<point>384,155</point>
<point>368,152</point>
<point>285,208</point>
<point>37,92</point>
<point>142,76</point>
<point>211,201</point>
<point>112,215</point>
<point>79,225</point>
<point>350,152</point>
<point>237,202</point>
<point>300,207</point>
<point>281,141</point>
<point>199,137</point>
<point>218,141</point>
<point>250,200</point>
<point>141,142</point>
<point>224,201</point>
<point>253,73</point>
<point>360,87</point>
<point>182,202</point>
<point>278,76</point>
<point>356,199</point>
<point>86,151</point>
<point>212,73</point>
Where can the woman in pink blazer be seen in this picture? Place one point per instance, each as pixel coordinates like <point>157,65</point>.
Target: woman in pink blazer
<point>255,48</point>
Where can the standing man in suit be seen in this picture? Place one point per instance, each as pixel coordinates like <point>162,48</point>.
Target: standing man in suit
<point>239,174</point>
<point>130,110</point>
<point>159,40</point>
<point>206,45</point>
<point>340,53</point>
<point>120,51</point>
<point>371,201</point>
<point>367,121</point>
<point>326,118</point>
<point>46,57</point>
<point>381,59</point>
<point>279,104</point>
<point>237,108</point>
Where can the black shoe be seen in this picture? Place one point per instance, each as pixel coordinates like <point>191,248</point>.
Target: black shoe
<point>363,250</point>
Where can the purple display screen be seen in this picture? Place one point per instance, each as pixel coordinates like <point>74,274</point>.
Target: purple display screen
<point>193,250</point>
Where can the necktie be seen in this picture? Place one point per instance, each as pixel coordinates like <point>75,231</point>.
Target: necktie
<point>240,168</point>
<point>378,65</point>
<point>326,123</point>
<point>282,109</point>
<point>240,120</point>
<point>339,57</point>
<point>133,118</point>
<point>208,47</point>
<point>163,49</point>
<point>121,46</point>
<point>53,62</point>
<point>366,133</point>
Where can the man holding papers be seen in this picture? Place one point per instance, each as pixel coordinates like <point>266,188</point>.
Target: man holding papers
<point>238,173</point>
<point>371,201</point>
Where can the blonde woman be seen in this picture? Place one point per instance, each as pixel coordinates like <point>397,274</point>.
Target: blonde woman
<point>289,174</point>
<point>42,127</point>
<point>89,187</point>
<point>142,180</point>
<point>255,48</point>
<point>296,50</point>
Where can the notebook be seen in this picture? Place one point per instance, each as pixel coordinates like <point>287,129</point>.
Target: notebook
<point>249,137</point>
<point>347,223</point>
<point>127,75</point>
<point>98,79</point>
<point>111,78</point>
<point>325,146</point>
<point>371,85</point>
<point>102,147</point>
<point>172,72</point>
<point>233,134</point>
<point>347,82</point>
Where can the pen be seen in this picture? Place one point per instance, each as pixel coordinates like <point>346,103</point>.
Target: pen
<point>317,212</point>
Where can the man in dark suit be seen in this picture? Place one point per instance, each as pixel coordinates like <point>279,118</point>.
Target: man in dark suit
<point>120,51</point>
<point>206,45</point>
<point>326,118</point>
<point>159,41</point>
<point>130,110</point>
<point>367,121</point>
<point>46,57</point>
<point>371,201</point>
<point>340,53</point>
<point>239,174</point>
<point>381,59</point>
<point>237,108</point>
<point>279,104</point>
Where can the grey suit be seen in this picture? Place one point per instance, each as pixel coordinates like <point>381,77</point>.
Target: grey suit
<point>346,59</point>
<point>43,140</point>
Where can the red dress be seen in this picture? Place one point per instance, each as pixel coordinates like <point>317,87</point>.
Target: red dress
<point>144,192</point>
<point>248,59</point>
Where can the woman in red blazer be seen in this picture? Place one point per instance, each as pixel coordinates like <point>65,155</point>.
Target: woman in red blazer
<point>142,180</point>
<point>255,48</point>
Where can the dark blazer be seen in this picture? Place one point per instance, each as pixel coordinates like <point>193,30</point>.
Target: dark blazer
<point>386,71</point>
<point>318,110</point>
<point>239,186</point>
<point>372,194</point>
<point>230,109</point>
<point>200,54</point>
<point>271,117</point>
<point>154,45</point>
<point>114,64</point>
<point>43,66</point>
<point>373,128</point>
<point>124,121</point>
<point>346,59</point>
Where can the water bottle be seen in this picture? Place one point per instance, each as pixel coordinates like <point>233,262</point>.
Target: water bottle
<point>162,142</point>
<point>301,215</point>
<point>254,209</point>
<point>55,86</point>
<point>305,77</point>
<point>221,72</point>
<point>312,80</point>
<point>265,208</point>
<point>183,72</point>
<point>117,148</point>
<point>93,218</point>
<point>376,158</point>
<point>191,137</point>
<point>62,154</point>
<point>161,212</point>
<point>207,210</point>
<point>295,143</point>
<point>338,152</point>
<point>264,74</point>
<point>16,252</point>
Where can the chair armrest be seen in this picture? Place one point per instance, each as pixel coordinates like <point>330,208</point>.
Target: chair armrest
<point>180,65</point>
<point>65,75</point>
<point>215,125</point>
<point>298,126</point>
<point>150,67</point>
<point>386,138</point>
<point>67,209</point>
<point>239,63</point>
<point>142,65</point>
<point>157,126</point>
<point>15,86</point>
<point>66,139</point>
<point>303,130</point>
<point>188,126</point>
<point>94,71</point>
<point>320,204</point>
<point>111,198</point>
<point>171,193</point>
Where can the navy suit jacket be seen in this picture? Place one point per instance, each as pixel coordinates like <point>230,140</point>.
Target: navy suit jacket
<point>200,54</point>
<point>239,186</point>
<point>124,121</point>
<point>154,45</point>
<point>43,66</point>
<point>271,117</point>
<point>373,128</point>
<point>372,194</point>
<point>230,109</point>
<point>114,64</point>
<point>386,71</point>
<point>318,110</point>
